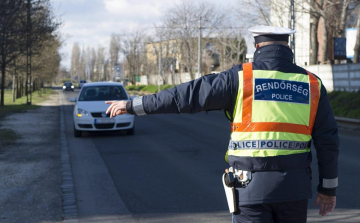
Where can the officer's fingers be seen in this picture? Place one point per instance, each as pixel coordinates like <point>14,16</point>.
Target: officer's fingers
<point>109,108</point>
<point>322,209</point>
<point>113,111</point>
<point>119,108</point>
<point>109,102</point>
<point>332,206</point>
<point>327,209</point>
<point>317,201</point>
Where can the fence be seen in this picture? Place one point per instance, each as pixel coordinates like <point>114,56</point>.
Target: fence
<point>343,77</point>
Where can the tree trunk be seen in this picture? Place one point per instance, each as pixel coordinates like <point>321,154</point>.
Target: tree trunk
<point>18,92</point>
<point>14,88</point>
<point>343,16</point>
<point>2,81</point>
<point>314,45</point>
<point>325,42</point>
<point>21,87</point>
<point>357,43</point>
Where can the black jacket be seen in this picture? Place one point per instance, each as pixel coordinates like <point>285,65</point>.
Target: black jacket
<point>219,91</point>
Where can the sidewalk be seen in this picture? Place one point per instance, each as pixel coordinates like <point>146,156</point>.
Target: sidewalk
<point>30,168</point>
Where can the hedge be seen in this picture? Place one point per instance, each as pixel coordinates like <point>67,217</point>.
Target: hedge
<point>345,104</point>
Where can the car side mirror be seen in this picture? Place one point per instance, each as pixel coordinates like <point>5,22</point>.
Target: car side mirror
<point>72,99</point>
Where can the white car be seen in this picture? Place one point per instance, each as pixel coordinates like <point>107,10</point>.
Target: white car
<point>89,113</point>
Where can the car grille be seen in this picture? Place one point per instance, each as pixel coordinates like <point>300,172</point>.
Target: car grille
<point>104,126</point>
<point>85,126</point>
<point>122,124</point>
<point>98,115</point>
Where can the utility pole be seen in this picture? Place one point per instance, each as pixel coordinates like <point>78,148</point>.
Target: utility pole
<point>199,53</point>
<point>292,26</point>
<point>28,55</point>
<point>160,61</point>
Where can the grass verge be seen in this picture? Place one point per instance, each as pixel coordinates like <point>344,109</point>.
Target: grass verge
<point>8,136</point>
<point>345,104</point>
<point>20,104</point>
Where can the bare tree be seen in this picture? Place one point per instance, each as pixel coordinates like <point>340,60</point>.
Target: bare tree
<point>114,49</point>
<point>88,63</point>
<point>343,16</point>
<point>131,47</point>
<point>164,52</point>
<point>331,16</point>
<point>326,16</point>
<point>233,47</point>
<point>47,61</point>
<point>25,26</point>
<point>100,63</point>
<point>82,65</point>
<point>259,13</point>
<point>186,20</point>
<point>93,63</point>
<point>75,60</point>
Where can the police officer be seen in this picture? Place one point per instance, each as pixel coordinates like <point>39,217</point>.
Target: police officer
<point>275,109</point>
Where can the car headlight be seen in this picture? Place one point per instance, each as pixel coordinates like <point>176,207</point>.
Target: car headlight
<point>64,87</point>
<point>81,113</point>
<point>72,86</point>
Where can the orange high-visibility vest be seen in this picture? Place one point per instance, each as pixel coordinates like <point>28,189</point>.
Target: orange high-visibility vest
<point>273,120</point>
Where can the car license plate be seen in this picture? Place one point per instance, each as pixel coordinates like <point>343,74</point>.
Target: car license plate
<point>103,121</point>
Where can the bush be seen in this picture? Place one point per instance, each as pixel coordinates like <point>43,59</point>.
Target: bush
<point>131,87</point>
<point>166,86</point>
<point>345,104</point>
<point>148,88</point>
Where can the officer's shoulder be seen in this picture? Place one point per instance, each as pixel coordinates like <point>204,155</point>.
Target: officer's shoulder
<point>305,71</point>
<point>233,70</point>
<point>236,68</point>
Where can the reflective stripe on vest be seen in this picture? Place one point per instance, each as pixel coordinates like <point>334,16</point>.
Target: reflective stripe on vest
<point>264,145</point>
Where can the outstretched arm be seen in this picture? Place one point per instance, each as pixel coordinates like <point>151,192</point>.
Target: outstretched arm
<point>210,92</point>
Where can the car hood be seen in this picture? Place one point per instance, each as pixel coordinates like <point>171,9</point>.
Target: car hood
<point>93,106</point>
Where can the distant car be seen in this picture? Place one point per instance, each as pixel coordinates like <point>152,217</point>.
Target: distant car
<point>89,113</point>
<point>68,86</point>
<point>81,83</point>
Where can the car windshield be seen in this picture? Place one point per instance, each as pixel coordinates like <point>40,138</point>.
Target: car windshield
<point>67,84</point>
<point>103,93</point>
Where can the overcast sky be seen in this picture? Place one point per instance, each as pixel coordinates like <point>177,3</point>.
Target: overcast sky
<point>91,22</point>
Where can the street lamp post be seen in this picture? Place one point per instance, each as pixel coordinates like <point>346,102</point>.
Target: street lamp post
<point>160,62</point>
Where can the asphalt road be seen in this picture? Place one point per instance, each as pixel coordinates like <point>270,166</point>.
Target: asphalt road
<point>170,171</point>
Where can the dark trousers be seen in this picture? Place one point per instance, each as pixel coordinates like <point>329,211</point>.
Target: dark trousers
<point>287,212</point>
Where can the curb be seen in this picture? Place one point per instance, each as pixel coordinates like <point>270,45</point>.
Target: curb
<point>350,124</point>
<point>351,120</point>
<point>69,204</point>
